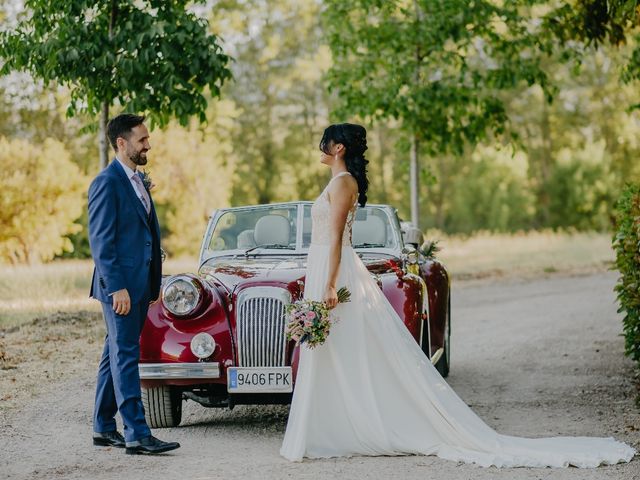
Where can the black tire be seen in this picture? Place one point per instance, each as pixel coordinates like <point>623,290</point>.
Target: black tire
<point>445,360</point>
<point>162,406</point>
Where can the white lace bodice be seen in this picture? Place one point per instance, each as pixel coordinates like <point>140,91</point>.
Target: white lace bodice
<point>320,218</point>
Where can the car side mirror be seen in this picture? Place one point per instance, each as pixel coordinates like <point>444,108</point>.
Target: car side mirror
<point>411,235</point>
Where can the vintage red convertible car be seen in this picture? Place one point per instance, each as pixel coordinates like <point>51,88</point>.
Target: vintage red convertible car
<point>217,337</point>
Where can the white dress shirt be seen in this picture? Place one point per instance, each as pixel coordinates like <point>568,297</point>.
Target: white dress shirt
<point>130,173</point>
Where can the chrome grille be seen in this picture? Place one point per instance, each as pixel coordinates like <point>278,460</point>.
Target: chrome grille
<point>260,326</point>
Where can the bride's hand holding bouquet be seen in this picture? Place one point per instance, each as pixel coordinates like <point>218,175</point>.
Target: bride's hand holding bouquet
<point>310,321</point>
<point>330,297</point>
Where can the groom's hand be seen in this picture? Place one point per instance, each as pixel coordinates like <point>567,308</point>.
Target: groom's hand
<point>121,302</point>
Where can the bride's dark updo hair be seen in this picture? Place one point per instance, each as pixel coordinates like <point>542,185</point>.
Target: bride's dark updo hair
<point>354,139</point>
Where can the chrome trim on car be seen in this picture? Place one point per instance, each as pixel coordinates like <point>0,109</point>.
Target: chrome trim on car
<point>425,310</point>
<point>166,371</point>
<point>204,247</point>
<point>300,226</point>
<point>437,355</point>
<point>260,324</point>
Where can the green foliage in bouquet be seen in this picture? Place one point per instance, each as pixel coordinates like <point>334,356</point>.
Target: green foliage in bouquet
<point>626,243</point>
<point>344,295</point>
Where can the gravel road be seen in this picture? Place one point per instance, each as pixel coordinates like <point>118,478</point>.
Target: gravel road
<point>532,357</point>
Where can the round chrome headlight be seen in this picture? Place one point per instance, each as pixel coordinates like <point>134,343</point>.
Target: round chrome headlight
<point>203,345</point>
<point>181,295</point>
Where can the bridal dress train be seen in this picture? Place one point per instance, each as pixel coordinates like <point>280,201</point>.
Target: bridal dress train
<point>369,390</point>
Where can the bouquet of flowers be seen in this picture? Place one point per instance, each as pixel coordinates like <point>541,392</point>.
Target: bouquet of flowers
<point>309,321</point>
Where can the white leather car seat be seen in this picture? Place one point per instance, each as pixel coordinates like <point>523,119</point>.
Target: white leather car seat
<point>245,239</point>
<point>372,229</point>
<point>272,229</point>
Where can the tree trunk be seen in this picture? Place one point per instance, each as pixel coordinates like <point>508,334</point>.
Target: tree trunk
<point>104,144</point>
<point>546,159</point>
<point>440,196</point>
<point>415,146</point>
<point>414,182</point>
<point>382,136</point>
<point>104,113</point>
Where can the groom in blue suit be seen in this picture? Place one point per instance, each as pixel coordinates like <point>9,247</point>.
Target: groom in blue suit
<point>125,244</point>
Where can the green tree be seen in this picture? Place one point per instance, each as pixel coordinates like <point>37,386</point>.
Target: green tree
<point>149,55</point>
<point>489,192</point>
<point>282,105</point>
<point>584,144</point>
<point>598,22</point>
<point>582,187</point>
<point>594,21</point>
<point>192,169</point>
<point>42,195</point>
<point>438,66</point>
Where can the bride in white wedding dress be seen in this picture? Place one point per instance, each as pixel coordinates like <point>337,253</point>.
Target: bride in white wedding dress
<point>370,390</point>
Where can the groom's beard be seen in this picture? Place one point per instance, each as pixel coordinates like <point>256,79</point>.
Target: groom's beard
<point>138,158</point>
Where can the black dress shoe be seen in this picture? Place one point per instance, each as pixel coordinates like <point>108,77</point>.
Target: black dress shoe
<point>108,439</point>
<point>150,445</point>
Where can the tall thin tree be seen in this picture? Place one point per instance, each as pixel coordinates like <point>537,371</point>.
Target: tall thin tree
<point>438,66</point>
<point>146,56</point>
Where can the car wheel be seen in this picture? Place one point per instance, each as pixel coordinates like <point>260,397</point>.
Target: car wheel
<point>162,406</point>
<point>443,364</point>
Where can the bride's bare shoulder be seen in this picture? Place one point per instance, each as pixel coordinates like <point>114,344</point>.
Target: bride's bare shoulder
<point>344,185</point>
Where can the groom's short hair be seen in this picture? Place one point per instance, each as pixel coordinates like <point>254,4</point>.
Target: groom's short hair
<point>121,126</point>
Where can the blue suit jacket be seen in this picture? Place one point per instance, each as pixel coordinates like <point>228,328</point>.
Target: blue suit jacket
<point>125,241</point>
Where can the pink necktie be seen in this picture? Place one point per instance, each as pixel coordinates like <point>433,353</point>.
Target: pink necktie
<point>146,201</point>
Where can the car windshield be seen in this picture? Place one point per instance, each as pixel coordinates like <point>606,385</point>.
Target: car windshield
<point>255,230</point>
<point>371,228</point>
<point>245,229</point>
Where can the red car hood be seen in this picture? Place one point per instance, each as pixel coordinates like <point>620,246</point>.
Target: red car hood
<point>270,269</point>
<point>230,271</point>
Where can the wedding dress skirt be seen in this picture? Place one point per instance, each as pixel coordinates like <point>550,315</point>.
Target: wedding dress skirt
<point>370,390</point>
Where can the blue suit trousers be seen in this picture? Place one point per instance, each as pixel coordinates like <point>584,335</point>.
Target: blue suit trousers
<point>118,385</point>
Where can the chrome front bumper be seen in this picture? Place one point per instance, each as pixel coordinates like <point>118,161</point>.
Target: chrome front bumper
<point>187,371</point>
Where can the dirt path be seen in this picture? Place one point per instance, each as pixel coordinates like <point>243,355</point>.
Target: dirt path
<point>533,358</point>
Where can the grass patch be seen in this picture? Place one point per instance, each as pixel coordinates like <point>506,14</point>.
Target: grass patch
<point>530,253</point>
<point>30,291</point>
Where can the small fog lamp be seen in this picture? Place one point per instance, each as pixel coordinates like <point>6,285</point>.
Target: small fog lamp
<point>203,345</point>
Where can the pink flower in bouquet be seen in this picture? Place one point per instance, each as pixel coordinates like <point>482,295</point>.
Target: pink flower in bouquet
<point>309,322</point>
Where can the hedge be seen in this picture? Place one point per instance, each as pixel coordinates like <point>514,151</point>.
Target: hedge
<point>626,243</point>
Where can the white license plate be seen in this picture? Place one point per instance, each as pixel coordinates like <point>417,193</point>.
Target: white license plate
<point>259,380</point>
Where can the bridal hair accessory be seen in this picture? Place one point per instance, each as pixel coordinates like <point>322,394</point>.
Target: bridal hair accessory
<point>310,321</point>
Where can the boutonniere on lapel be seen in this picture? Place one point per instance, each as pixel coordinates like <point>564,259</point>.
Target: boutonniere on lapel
<point>146,180</point>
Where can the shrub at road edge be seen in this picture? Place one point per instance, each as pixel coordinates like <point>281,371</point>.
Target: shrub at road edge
<point>626,243</point>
